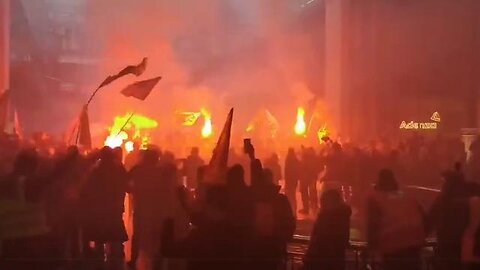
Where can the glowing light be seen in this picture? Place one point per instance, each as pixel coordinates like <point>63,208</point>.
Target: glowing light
<point>116,140</point>
<point>250,127</point>
<point>190,118</point>
<point>129,127</point>
<point>207,129</point>
<point>145,142</point>
<point>300,126</point>
<point>322,134</point>
<point>129,146</point>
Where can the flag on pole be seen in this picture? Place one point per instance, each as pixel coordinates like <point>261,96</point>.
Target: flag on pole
<point>4,109</point>
<point>84,138</point>
<point>136,70</point>
<point>217,168</point>
<point>70,134</point>
<point>140,90</point>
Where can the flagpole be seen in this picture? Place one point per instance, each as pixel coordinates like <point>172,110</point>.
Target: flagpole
<point>78,133</point>
<point>91,97</point>
<point>126,122</point>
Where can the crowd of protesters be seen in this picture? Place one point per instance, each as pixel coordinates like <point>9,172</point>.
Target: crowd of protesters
<point>65,209</point>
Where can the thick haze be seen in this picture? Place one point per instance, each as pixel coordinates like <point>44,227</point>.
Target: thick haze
<point>211,53</point>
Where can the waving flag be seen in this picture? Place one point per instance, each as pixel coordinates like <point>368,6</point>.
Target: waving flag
<point>136,70</point>
<point>217,168</point>
<point>83,136</point>
<point>140,90</point>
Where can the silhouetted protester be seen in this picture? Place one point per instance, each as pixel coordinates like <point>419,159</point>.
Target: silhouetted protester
<point>143,182</point>
<point>273,224</point>
<point>331,233</point>
<point>471,239</point>
<point>308,181</point>
<point>221,218</point>
<point>273,164</point>
<point>395,225</point>
<point>69,174</point>
<point>449,218</point>
<point>190,167</point>
<point>336,162</point>
<point>23,221</point>
<point>292,171</point>
<point>239,215</point>
<point>208,245</point>
<point>154,203</point>
<point>102,209</point>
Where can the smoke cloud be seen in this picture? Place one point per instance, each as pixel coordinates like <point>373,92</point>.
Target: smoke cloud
<point>248,54</point>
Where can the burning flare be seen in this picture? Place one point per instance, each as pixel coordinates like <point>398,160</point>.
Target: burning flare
<point>116,139</point>
<point>207,129</point>
<point>129,128</point>
<point>323,134</point>
<point>300,126</point>
<point>129,146</point>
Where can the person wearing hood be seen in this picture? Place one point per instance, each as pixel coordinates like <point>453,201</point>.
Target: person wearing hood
<point>331,233</point>
<point>395,225</point>
<point>102,207</point>
<point>273,224</point>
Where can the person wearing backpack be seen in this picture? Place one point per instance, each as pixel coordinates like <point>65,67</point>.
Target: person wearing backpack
<point>395,225</point>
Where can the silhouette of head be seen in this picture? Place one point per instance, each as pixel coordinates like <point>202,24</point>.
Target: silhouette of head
<point>72,151</point>
<point>236,176</point>
<point>118,153</point>
<point>331,199</point>
<point>267,176</point>
<point>26,162</point>
<point>195,151</point>
<point>150,156</point>
<point>168,157</point>
<point>454,185</point>
<point>386,181</point>
<point>107,154</point>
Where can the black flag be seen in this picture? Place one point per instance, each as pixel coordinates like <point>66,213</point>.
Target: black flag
<point>136,70</point>
<point>141,89</point>
<point>217,167</point>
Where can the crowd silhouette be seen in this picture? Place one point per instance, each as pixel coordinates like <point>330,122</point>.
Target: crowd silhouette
<point>67,210</point>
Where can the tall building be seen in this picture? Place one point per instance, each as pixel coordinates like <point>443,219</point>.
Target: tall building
<point>4,44</point>
<point>50,61</point>
<point>389,61</point>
